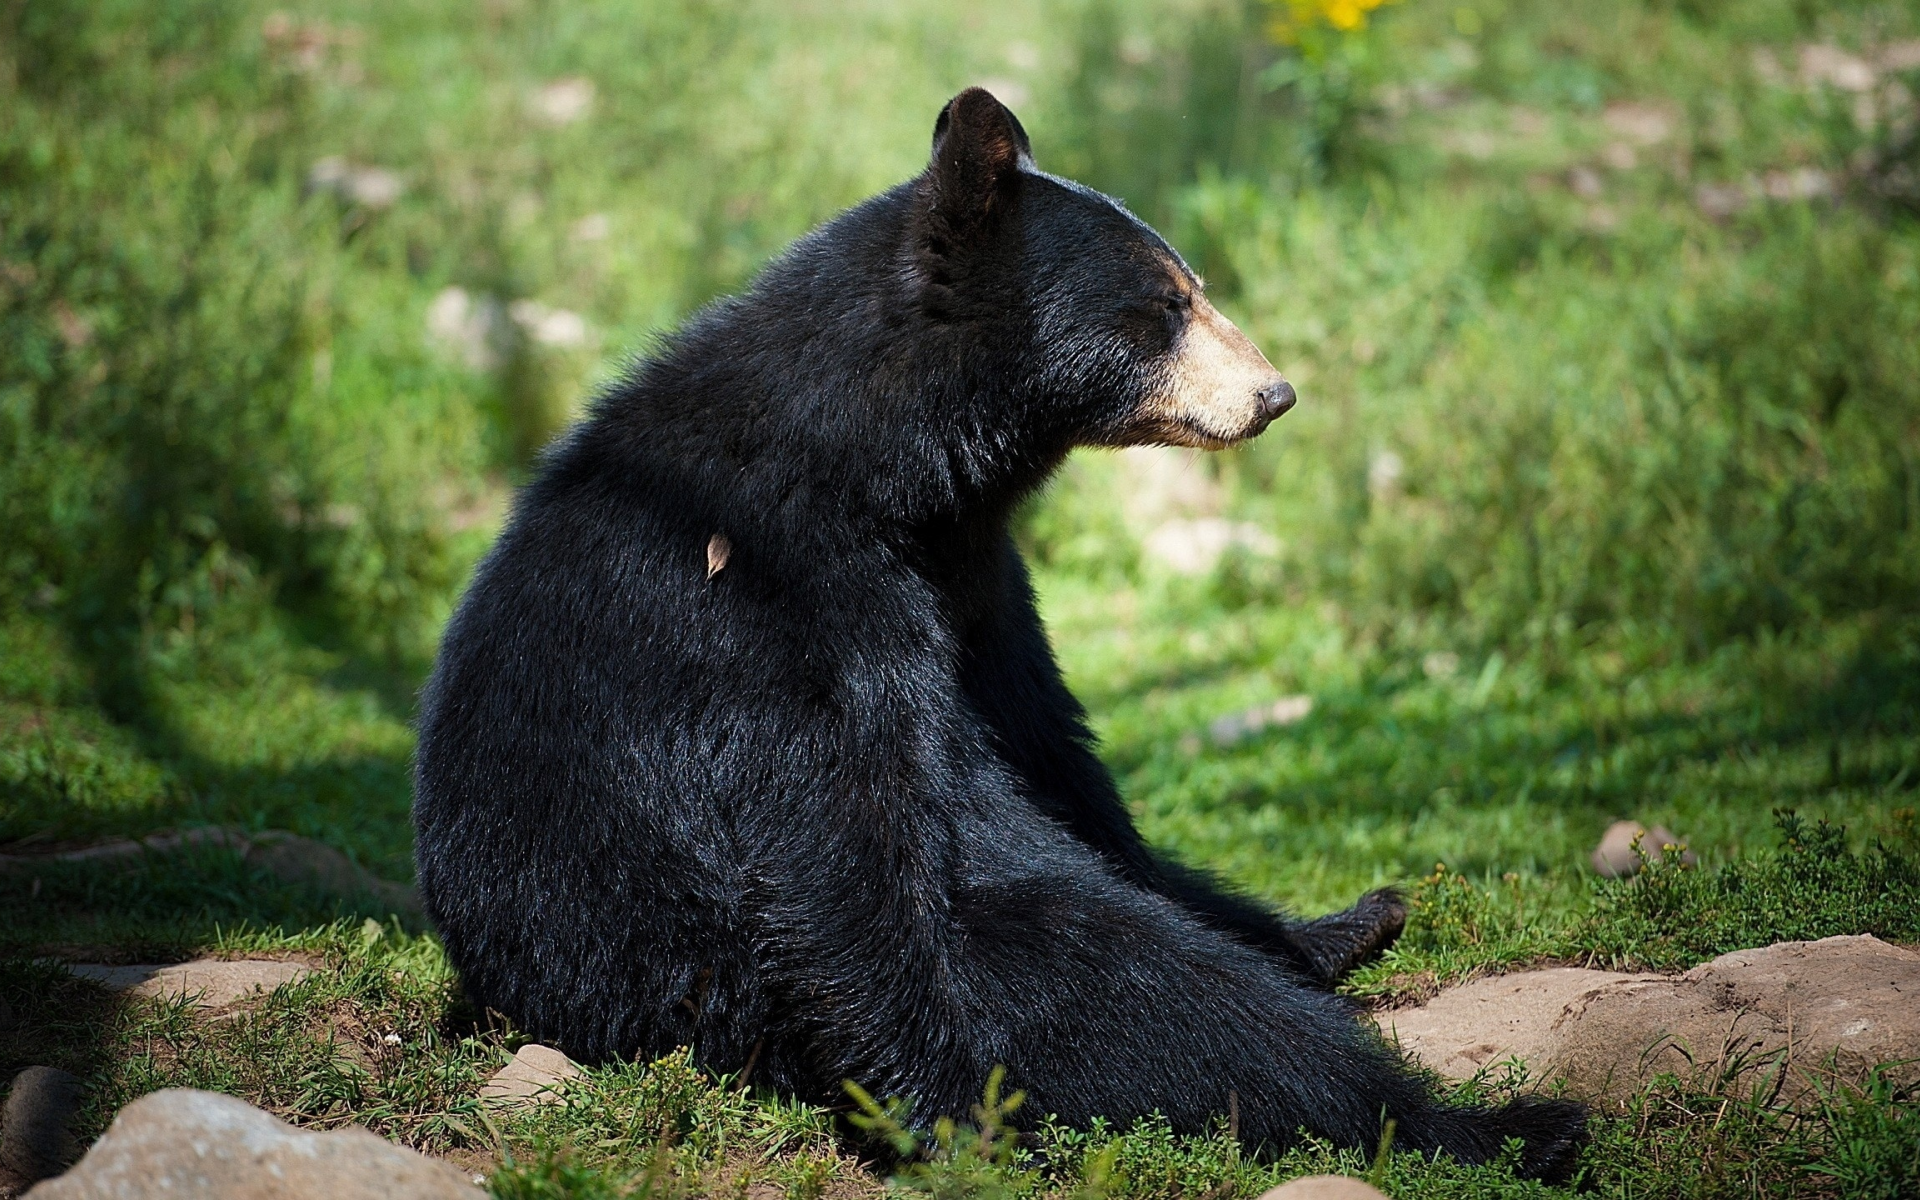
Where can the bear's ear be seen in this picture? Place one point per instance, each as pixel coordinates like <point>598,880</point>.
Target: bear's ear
<point>978,150</point>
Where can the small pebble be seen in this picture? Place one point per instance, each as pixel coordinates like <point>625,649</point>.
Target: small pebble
<point>1615,857</point>
<point>536,1075</point>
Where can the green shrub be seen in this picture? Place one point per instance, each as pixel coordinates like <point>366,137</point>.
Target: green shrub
<point>1814,886</point>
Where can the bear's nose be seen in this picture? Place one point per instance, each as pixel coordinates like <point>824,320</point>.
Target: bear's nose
<point>1276,398</point>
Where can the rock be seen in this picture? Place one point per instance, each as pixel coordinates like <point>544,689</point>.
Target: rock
<point>205,982</point>
<point>1384,472</point>
<point>36,1126</point>
<point>1158,482</point>
<point>1237,727</point>
<point>1899,56</point>
<point>1192,546</point>
<point>371,187</point>
<point>1644,124</point>
<point>1170,500</point>
<point>1834,67</point>
<point>116,978</point>
<point>562,102</point>
<point>297,859</point>
<point>549,326</point>
<point>1486,1021</point>
<point>1795,1011</point>
<point>1441,664</point>
<point>1772,1019</point>
<point>472,327</point>
<point>1802,183</point>
<point>1616,856</point>
<point>286,856</point>
<point>536,1075</point>
<point>1722,200</point>
<point>594,227</point>
<point>182,1142</point>
<point>1324,1187</point>
<point>129,849</point>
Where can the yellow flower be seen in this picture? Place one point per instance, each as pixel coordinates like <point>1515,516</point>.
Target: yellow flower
<point>1296,16</point>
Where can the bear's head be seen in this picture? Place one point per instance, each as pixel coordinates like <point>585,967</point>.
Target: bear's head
<point>1115,341</point>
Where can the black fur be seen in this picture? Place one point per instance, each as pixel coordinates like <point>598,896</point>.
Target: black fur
<point>831,809</point>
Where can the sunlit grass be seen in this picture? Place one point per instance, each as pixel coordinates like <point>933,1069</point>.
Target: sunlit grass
<point>1506,764</point>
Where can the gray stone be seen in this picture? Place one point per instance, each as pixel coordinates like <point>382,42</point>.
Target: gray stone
<point>1616,856</point>
<point>36,1126</point>
<point>217,983</point>
<point>182,1142</point>
<point>123,849</point>
<point>204,983</point>
<point>537,1075</point>
<point>1324,1187</point>
<point>1192,545</point>
<point>116,978</point>
<point>297,859</point>
<point>1237,727</point>
<point>286,856</point>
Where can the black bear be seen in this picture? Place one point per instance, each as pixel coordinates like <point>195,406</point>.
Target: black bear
<point>747,736</point>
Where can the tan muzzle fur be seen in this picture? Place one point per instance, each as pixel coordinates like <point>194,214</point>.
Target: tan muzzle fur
<point>1212,396</point>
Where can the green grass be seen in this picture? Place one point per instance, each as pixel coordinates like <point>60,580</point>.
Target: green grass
<point>1511,761</point>
<point>1602,501</point>
<point>1673,916</point>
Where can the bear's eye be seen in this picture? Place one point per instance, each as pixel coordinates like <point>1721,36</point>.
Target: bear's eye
<point>1178,302</point>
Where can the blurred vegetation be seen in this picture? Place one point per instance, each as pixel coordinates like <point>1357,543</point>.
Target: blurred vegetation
<point>1603,498</point>
<point>287,301</point>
